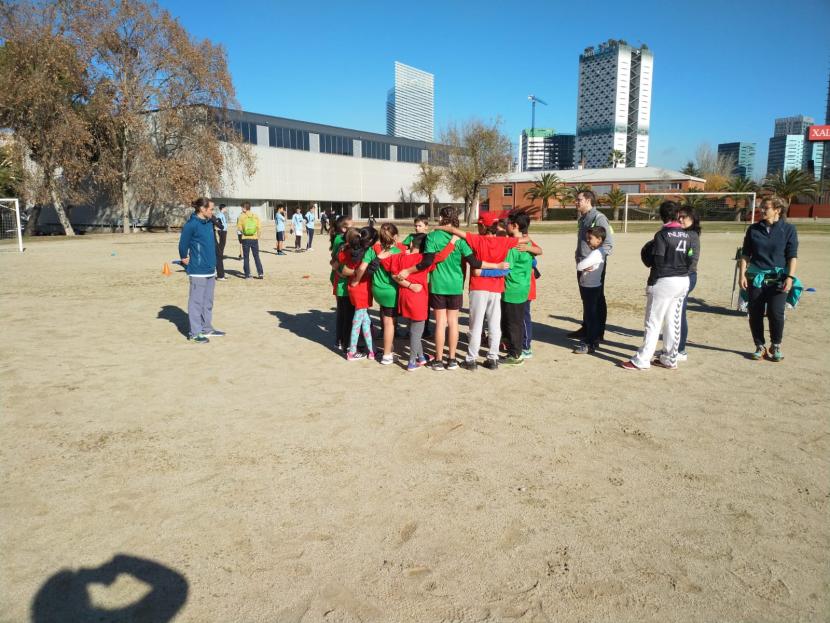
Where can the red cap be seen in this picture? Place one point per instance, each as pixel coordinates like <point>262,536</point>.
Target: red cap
<point>488,218</point>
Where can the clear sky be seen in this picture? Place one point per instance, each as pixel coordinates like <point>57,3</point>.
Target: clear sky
<point>723,70</point>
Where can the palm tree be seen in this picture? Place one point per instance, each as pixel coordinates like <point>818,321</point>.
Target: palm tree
<point>694,201</point>
<point>740,185</point>
<point>616,157</point>
<point>691,169</point>
<point>792,184</point>
<point>427,183</point>
<point>615,199</point>
<point>651,202</point>
<point>548,187</point>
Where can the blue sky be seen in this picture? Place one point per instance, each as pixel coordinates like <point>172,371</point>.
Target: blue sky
<point>723,70</point>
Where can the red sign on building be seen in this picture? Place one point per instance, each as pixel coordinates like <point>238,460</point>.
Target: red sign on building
<point>819,133</point>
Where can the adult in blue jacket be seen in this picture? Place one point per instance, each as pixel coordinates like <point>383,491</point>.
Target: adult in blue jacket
<point>197,250</point>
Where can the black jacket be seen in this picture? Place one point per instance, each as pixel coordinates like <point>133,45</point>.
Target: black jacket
<point>669,253</point>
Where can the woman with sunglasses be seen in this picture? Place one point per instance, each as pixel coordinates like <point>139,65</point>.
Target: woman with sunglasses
<point>690,221</point>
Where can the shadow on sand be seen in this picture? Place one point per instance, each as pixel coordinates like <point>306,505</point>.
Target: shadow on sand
<point>177,317</point>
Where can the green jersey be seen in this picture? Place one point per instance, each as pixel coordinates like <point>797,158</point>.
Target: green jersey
<point>384,288</point>
<point>408,240</point>
<point>341,289</point>
<point>517,283</point>
<point>447,278</point>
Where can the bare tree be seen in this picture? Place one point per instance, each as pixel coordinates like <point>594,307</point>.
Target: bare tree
<point>427,183</point>
<point>716,168</point>
<point>478,152</point>
<point>160,102</point>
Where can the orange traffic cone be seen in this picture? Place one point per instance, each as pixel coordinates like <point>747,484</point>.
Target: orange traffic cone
<point>166,270</point>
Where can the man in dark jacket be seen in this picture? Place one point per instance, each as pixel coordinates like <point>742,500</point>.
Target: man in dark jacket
<point>197,250</point>
<point>590,217</point>
<point>668,256</point>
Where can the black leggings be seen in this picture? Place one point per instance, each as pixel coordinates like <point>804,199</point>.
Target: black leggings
<point>769,299</point>
<point>345,315</point>
<point>513,316</point>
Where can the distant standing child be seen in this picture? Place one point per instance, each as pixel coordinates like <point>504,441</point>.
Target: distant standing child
<point>279,217</point>
<point>221,223</point>
<point>309,228</point>
<point>324,221</point>
<point>248,224</point>
<point>359,288</point>
<point>345,310</point>
<point>297,227</point>
<point>590,279</point>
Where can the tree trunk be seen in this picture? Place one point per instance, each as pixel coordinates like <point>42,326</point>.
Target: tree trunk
<point>616,213</point>
<point>545,208</point>
<point>31,224</point>
<point>738,213</point>
<point>61,212</point>
<point>125,207</point>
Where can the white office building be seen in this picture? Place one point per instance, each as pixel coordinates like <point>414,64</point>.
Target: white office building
<point>789,147</point>
<point>614,104</point>
<point>410,104</point>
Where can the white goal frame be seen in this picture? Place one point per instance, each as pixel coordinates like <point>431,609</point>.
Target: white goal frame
<point>680,193</point>
<point>16,203</point>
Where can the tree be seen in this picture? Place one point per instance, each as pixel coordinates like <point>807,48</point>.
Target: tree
<point>42,100</point>
<point>740,185</point>
<point>651,202</point>
<point>616,158</point>
<point>615,199</point>
<point>691,169</point>
<point>160,101</point>
<point>10,172</point>
<point>791,185</point>
<point>694,201</point>
<point>715,168</point>
<point>478,152</point>
<point>427,183</point>
<point>548,187</point>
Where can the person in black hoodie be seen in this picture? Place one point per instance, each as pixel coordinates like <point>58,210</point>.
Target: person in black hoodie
<point>668,256</point>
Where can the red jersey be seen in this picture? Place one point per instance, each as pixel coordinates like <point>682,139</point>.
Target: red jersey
<point>490,249</point>
<point>360,295</point>
<point>414,305</point>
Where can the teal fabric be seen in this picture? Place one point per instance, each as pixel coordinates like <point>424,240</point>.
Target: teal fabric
<point>758,276</point>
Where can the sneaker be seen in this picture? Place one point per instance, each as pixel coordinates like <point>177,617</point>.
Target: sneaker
<point>469,365</point>
<point>387,360</point>
<point>682,356</point>
<point>422,361</point>
<point>775,354</point>
<point>527,354</point>
<point>281,253</point>
<point>513,361</point>
<point>198,339</point>
<point>214,333</point>
<point>452,364</point>
<point>759,353</point>
<point>661,364</point>
<point>436,365</point>
<point>581,349</point>
<point>221,279</point>
<point>629,365</point>
<point>355,356</point>
<point>371,356</point>
<point>259,276</point>
<point>579,333</point>
<point>309,249</point>
<point>491,364</point>
<point>412,366</point>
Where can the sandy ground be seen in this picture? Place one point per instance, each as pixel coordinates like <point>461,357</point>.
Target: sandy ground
<point>283,484</point>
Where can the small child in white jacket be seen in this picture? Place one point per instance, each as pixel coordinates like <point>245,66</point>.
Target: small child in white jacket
<point>590,280</point>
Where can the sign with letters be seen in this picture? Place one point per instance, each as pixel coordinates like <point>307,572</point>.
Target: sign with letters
<point>819,133</point>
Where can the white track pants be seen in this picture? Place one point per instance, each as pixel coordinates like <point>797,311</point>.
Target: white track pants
<point>484,303</point>
<point>664,306</point>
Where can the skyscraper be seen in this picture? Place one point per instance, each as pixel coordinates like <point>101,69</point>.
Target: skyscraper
<point>410,104</point>
<point>790,148</point>
<point>614,104</point>
<point>543,149</point>
<point>744,156</point>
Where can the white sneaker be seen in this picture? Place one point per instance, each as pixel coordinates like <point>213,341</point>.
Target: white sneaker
<point>682,356</point>
<point>387,360</point>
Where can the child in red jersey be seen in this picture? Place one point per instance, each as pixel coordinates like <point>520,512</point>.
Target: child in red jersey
<point>413,296</point>
<point>360,293</point>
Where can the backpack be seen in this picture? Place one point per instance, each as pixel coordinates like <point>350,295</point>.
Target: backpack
<point>249,226</point>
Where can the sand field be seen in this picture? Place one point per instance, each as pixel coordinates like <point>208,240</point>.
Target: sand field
<point>266,479</point>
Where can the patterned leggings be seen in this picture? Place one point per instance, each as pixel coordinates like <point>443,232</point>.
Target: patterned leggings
<point>360,323</point>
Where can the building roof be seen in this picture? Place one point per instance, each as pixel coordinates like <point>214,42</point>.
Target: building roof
<point>607,175</point>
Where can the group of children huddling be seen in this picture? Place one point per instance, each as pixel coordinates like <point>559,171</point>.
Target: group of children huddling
<point>428,270</point>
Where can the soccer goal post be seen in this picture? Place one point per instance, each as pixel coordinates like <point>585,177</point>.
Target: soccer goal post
<point>710,206</point>
<point>11,225</point>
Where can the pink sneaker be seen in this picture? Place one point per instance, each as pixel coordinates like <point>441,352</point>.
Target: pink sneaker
<point>371,356</point>
<point>356,356</point>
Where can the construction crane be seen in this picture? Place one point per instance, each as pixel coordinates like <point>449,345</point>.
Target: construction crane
<point>533,100</point>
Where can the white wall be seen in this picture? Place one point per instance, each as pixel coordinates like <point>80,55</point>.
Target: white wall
<point>290,174</point>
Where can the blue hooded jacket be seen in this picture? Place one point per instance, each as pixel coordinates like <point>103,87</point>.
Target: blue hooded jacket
<point>198,243</point>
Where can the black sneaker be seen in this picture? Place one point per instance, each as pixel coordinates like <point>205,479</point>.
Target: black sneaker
<point>469,365</point>
<point>436,365</point>
<point>491,364</point>
<point>452,364</point>
<point>198,339</point>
